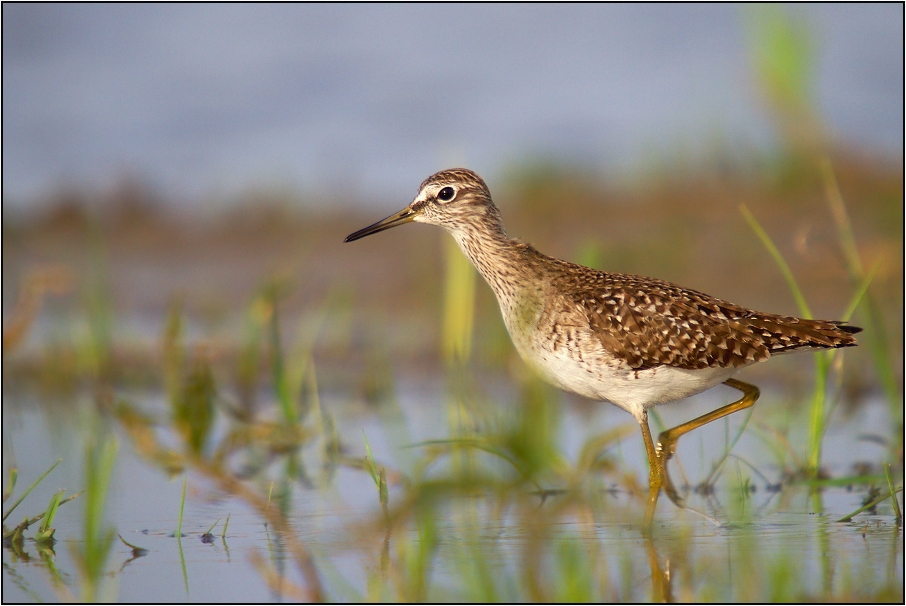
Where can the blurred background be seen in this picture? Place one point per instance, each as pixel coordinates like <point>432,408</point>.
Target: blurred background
<point>155,152</point>
<point>177,183</point>
<point>356,103</point>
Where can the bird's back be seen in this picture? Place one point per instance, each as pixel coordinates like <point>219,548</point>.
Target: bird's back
<point>645,322</point>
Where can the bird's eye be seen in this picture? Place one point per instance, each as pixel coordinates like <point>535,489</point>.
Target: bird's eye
<point>446,194</point>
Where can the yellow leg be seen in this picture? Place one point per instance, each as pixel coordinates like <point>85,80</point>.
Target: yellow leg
<point>655,472</point>
<point>666,442</point>
<point>661,586</point>
<point>657,475</point>
<point>659,454</point>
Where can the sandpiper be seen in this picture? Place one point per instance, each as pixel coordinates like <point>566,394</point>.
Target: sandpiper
<point>633,341</point>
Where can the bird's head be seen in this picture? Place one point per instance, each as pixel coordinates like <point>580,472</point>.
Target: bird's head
<point>453,199</point>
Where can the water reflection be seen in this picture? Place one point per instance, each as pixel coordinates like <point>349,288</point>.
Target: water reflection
<point>463,524</point>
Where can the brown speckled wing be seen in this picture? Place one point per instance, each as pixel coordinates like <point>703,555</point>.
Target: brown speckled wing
<point>647,322</point>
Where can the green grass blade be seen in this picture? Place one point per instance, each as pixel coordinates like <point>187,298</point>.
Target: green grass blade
<point>729,448</point>
<point>848,518</point>
<point>778,259</point>
<point>782,54</point>
<point>30,488</point>
<point>174,353</point>
<point>875,331</point>
<point>267,508</point>
<point>841,219</point>
<point>98,302</point>
<point>851,308</point>
<point>383,492</point>
<point>278,371</point>
<point>49,515</point>
<point>100,460</point>
<point>372,466</point>
<point>10,484</point>
<point>459,304</point>
<point>379,475</point>
<point>477,443</point>
<point>846,481</point>
<point>182,506</point>
<point>896,504</point>
<point>26,523</point>
<point>817,420</point>
<point>861,290</point>
<point>182,563</point>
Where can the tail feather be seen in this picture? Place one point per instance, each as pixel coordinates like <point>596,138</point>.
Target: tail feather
<point>788,334</point>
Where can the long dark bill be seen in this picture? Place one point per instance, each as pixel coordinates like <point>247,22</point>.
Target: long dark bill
<point>406,215</point>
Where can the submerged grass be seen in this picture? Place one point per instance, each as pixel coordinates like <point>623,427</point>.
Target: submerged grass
<point>246,438</point>
<point>817,423</point>
<point>876,332</point>
<point>44,536</point>
<point>45,530</point>
<point>11,485</point>
<point>378,476</point>
<point>819,415</point>
<point>92,554</point>
<point>871,504</point>
<point>182,506</point>
<point>893,498</point>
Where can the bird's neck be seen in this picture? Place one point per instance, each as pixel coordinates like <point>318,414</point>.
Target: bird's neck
<point>499,259</point>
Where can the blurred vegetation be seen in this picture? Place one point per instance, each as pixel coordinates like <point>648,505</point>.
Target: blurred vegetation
<point>668,226</point>
<point>243,320</point>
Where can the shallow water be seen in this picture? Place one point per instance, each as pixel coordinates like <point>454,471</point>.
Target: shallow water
<point>706,548</point>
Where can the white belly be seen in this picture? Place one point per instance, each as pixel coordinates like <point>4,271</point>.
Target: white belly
<point>573,358</point>
<point>600,376</point>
